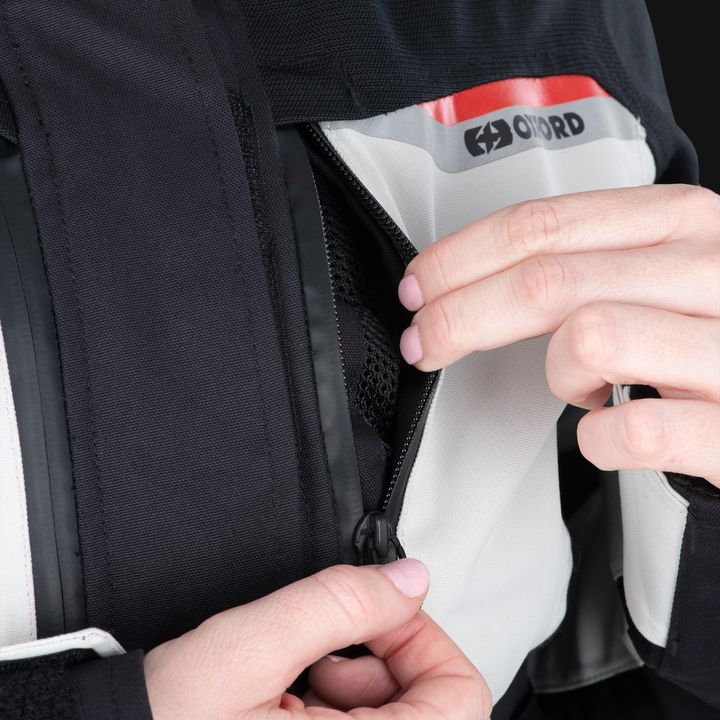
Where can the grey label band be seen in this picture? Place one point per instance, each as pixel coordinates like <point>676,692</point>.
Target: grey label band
<point>455,148</point>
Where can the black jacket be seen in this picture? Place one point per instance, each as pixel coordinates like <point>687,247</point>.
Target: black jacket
<point>197,298</point>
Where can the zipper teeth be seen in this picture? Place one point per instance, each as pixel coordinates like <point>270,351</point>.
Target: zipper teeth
<point>407,251</point>
<point>427,390</point>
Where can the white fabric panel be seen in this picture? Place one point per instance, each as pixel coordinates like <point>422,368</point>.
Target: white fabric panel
<point>489,525</point>
<point>482,506</point>
<point>104,644</point>
<point>17,595</point>
<point>654,518</point>
<point>427,203</point>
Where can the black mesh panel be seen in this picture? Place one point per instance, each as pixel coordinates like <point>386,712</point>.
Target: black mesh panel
<point>370,321</point>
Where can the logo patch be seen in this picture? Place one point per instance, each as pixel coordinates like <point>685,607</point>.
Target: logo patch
<point>498,134</point>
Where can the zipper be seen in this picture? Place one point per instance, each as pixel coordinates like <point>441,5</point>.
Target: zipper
<point>400,240</point>
<point>375,540</point>
<point>328,369</point>
<point>401,473</point>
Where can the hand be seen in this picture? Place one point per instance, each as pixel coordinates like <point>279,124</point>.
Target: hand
<point>239,663</point>
<point>629,283</point>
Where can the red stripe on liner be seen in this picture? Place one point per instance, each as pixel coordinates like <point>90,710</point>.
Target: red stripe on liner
<point>533,92</point>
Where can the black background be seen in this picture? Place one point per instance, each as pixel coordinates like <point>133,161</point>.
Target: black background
<point>684,33</point>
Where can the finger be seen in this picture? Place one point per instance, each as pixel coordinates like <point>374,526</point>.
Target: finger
<point>538,295</point>
<point>280,635</point>
<point>290,702</point>
<point>345,684</point>
<point>667,435</point>
<point>432,670</point>
<point>437,680</point>
<point>312,700</point>
<point>428,666</point>
<point>582,222</point>
<point>610,343</point>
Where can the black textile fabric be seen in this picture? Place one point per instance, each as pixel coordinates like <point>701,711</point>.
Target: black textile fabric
<point>112,688</point>
<point>249,105</point>
<point>74,685</point>
<point>325,60</point>
<point>691,658</point>
<point>517,698</point>
<point>40,688</point>
<point>635,695</point>
<point>183,446</point>
<point>677,704</point>
<point>624,697</point>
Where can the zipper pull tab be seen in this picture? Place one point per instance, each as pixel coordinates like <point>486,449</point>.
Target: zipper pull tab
<point>375,540</point>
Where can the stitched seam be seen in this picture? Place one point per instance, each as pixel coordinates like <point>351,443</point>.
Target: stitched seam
<point>73,485</point>
<point>298,62</point>
<point>674,628</point>
<point>8,127</point>
<point>557,55</point>
<point>243,114</point>
<point>233,228</point>
<point>351,88</point>
<point>81,319</point>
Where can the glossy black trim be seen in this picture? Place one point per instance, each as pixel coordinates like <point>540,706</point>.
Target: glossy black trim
<point>416,388</point>
<point>31,346</point>
<point>327,358</point>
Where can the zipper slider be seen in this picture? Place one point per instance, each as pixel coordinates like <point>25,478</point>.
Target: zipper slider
<point>375,540</point>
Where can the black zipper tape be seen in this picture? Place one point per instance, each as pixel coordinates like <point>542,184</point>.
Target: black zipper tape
<point>420,395</point>
<point>324,340</point>
<point>34,364</point>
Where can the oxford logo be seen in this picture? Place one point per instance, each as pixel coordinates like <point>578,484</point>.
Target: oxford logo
<point>497,134</point>
<point>486,138</point>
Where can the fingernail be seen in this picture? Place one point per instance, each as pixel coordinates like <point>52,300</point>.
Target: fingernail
<point>410,345</point>
<point>409,293</point>
<point>335,658</point>
<point>409,576</point>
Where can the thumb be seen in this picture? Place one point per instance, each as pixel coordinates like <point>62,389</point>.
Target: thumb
<point>285,632</point>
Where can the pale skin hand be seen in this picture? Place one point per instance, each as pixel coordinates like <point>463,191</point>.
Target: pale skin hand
<point>238,664</point>
<point>628,283</point>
